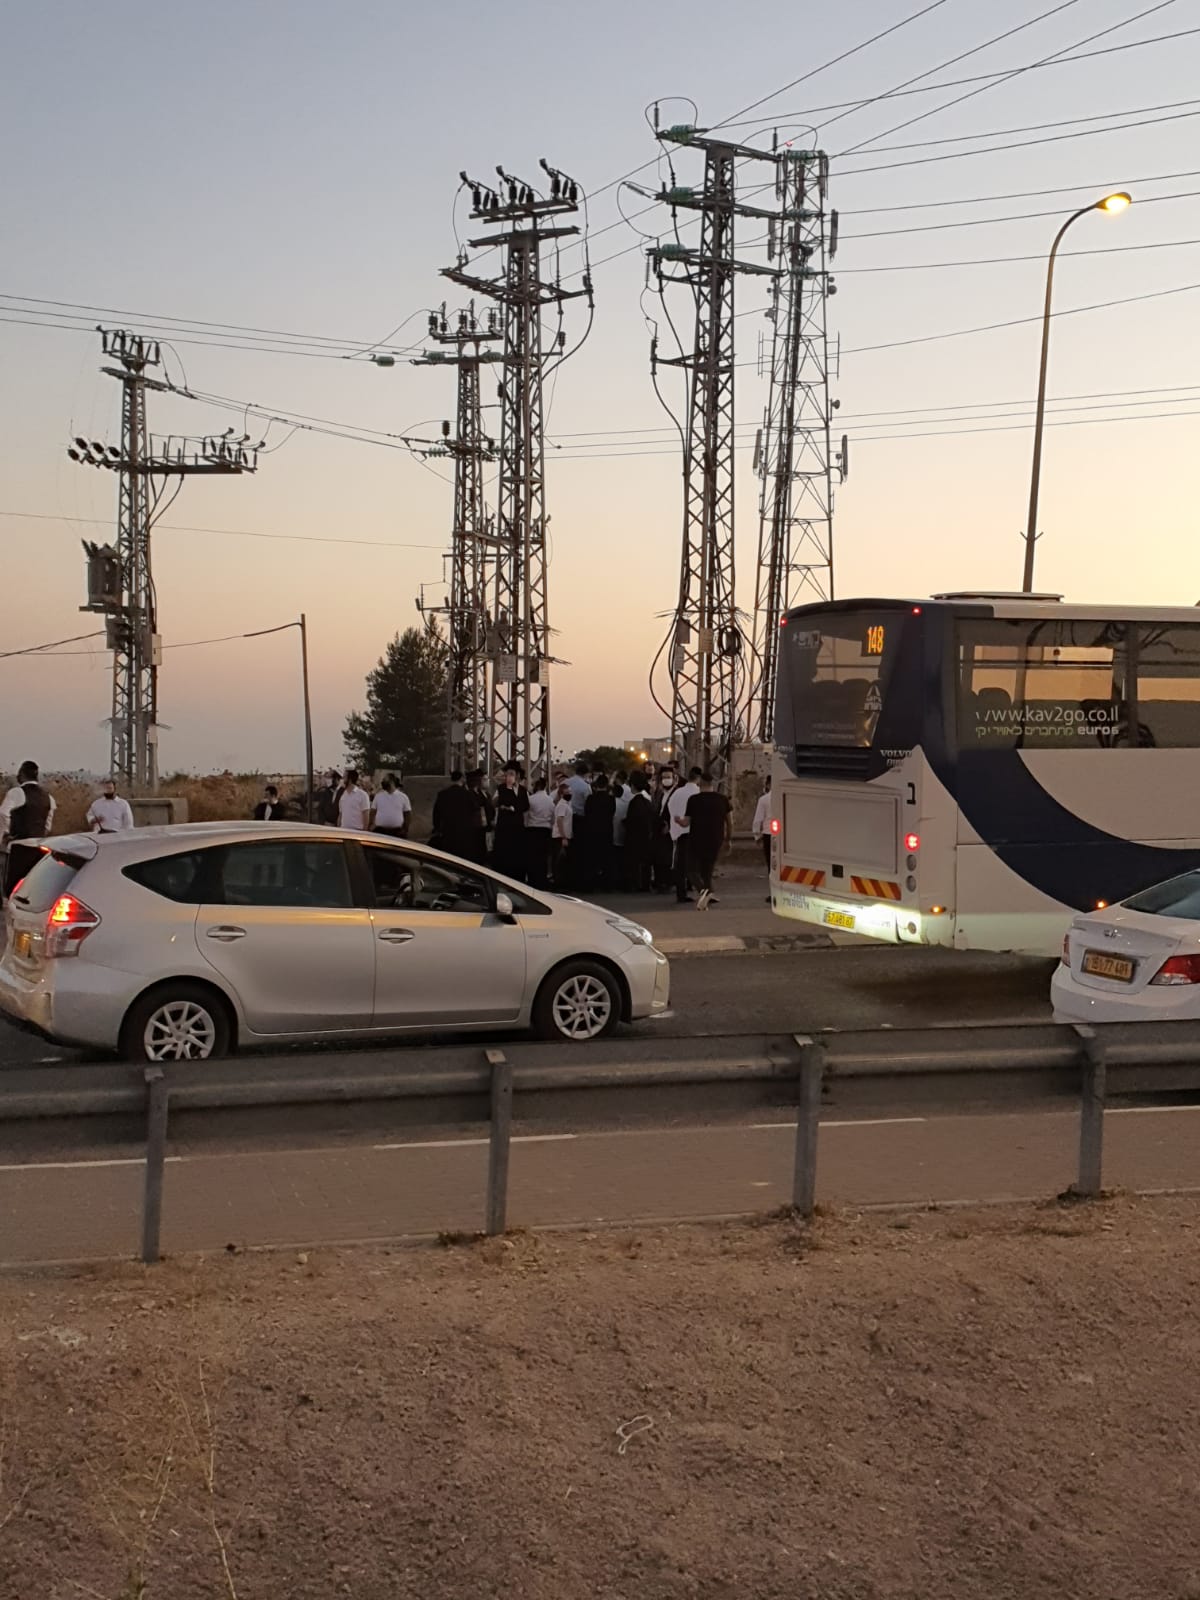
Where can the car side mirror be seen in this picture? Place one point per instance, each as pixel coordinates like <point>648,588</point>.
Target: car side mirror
<point>504,908</point>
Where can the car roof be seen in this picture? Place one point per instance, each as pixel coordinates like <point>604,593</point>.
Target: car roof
<point>138,842</point>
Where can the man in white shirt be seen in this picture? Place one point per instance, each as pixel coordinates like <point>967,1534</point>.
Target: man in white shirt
<point>108,813</point>
<point>580,788</point>
<point>539,825</point>
<point>561,834</point>
<point>677,811</point>
<point>354,804</point>
<point>762,826</point>
<point>393,809</point>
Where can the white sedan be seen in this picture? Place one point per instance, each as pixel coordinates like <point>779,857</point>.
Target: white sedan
<point>1134,962</point>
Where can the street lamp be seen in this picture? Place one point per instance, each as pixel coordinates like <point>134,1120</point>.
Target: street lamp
<point>1110,203</point>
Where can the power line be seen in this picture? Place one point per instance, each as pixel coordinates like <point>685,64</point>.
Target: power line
<point>1017,144</point>
<point>1018,216</point>
<point>934,111</point>
<point>232,533</point>
<point>1037,127</point>
<point>53,644</point>
<point>1015,322</point>
<point>995,261</point>
<point>1019,194</point>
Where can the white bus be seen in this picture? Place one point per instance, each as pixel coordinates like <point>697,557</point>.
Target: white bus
<point>973,769</point>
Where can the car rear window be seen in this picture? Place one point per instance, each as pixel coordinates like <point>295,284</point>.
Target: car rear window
<point>1177,897</point>
<point>179,877</point>
<point>49,877</point>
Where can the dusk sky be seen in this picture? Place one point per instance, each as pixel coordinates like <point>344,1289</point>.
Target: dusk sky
<point>294,167</point>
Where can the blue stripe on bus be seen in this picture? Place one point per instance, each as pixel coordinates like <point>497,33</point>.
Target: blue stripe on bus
<point>1052,849</point>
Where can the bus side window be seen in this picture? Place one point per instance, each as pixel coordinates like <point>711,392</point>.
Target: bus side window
<point>1168,687</point>
<point>995,722</point>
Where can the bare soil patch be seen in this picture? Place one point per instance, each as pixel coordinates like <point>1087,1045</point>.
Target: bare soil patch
<point>951,1406</point>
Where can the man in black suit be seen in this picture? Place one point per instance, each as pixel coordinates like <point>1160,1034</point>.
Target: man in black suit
<point>270,808</point>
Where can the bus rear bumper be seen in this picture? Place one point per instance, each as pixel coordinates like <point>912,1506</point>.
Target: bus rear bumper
<point>883,920</point>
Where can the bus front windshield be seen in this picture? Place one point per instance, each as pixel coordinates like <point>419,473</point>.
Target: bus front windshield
<point>834,669</point>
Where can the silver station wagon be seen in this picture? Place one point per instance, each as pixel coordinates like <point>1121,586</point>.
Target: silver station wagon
<point>185,942</point>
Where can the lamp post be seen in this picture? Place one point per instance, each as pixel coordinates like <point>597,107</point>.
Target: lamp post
<point>1110,203</point>
<point>302,624</point>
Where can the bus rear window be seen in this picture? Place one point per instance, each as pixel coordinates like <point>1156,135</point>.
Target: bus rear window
<point>833,670</point>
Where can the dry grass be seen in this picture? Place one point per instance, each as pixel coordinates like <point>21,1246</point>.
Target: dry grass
<point>219,797</point>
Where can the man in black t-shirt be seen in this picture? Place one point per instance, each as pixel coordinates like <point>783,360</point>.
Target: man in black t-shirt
<point>709,824</point>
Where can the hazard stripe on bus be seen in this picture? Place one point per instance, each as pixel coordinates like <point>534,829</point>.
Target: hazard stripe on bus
<point>877,888</point>
<point>813,877</point>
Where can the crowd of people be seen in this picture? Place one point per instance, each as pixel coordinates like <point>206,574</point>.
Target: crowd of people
<point>584,831</point>
<point>590,831</point>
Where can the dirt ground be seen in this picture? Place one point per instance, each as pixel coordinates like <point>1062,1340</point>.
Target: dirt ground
<point>969,1405</point>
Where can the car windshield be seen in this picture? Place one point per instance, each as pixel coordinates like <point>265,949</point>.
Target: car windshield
<point>1177,897</point>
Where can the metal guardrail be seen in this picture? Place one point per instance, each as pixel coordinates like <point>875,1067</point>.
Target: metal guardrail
<point>980,1065</point>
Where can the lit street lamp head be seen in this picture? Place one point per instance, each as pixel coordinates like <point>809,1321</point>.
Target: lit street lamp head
<point>1114,202</point>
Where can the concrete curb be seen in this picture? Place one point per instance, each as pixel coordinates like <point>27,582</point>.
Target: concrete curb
<point>741,943</point>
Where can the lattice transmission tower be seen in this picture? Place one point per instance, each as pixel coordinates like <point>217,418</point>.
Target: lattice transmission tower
<point>120,580</point>
<point>518,645</point>
<point>795,459</point>
<point>472,542</point>
<point>708,647</point>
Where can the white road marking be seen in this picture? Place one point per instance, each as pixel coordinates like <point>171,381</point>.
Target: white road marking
<point>850,1122</point>
<point>1144,1111</point>
<point>462,1144</point>
<point>68,1166</point>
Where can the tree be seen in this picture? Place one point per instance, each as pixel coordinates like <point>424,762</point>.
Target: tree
<point>608,757</point>
<point>404,725</point>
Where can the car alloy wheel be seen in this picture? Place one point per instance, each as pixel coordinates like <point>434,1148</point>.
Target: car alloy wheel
<point>179,1030</point>
<point>582,1007</point>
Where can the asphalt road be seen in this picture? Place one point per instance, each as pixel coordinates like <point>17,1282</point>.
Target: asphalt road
<point>88,1209</point>
<point>797,991</point>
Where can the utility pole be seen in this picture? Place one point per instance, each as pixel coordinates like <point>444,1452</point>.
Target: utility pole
<point>707,644</point>
<point>472,545</point>
<point>518,642</point>
<point>120,582</point>
<point>794,455</point>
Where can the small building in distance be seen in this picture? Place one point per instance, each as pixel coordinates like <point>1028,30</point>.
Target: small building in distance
<point>650,750</point>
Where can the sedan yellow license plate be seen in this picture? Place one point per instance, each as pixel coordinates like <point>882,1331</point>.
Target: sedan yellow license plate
<point>22,943</point>
<point>838,919</point>
<point>1104,966</point>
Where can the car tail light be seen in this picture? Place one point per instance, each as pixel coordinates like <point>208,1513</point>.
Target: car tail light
<point>68,924</point>
<point>1066,955</point>
<point>1178,969</point>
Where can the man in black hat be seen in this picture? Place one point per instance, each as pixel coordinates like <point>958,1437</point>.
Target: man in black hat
<point>26,812</point>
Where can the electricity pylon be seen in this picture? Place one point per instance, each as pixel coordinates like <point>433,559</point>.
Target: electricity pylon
<point>518,643</point>
<point>472,545</point>
<point>794,454</point>
<point>120,582</point>
<point>707,643</point>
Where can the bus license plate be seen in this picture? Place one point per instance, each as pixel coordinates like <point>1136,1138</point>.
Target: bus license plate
<point>838,919</point>
<point>1105,966</point>
<point>22,943</point>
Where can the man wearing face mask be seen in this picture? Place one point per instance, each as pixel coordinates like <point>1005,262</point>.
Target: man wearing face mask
<point>662,851</point>
<point>108,813</point>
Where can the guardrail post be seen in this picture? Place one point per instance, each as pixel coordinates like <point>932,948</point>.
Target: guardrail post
<point>157,1107</point>
<point>1091,1112</point>
<point>808,1117</point>
<point>499,1141</point>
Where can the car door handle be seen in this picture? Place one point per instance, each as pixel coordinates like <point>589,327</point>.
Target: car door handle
<point>227,934</point>
<point>397,935</point>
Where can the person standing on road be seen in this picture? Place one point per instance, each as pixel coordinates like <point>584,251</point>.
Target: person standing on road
<point>562,833</point>
<point>393,809</point>
<point>539,827</point>
<point>325,800</point>
<point>599,816</point>
<point>354,803</point>
<point>456,819</point>
<point>485,816</point>
<point>662,849</point>
<point>580,789</point>
<point>639,836</point>
<point>26,812</point>
<point>512,802</point>
<point>677,805</point>
<point>709,817</point>
<point>108,813</point>
<point>269,808</point>
<point>762,828</point>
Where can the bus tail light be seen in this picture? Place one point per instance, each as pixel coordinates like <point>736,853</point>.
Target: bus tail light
<point>912,842</point>
<point>1178,969</point>
<point>776,825</point>
<point>68,925</point>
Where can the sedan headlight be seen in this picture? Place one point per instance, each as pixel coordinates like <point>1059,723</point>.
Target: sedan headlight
<point>633,931</point>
